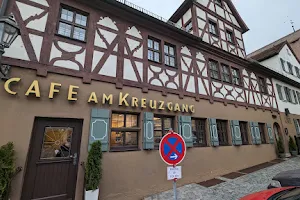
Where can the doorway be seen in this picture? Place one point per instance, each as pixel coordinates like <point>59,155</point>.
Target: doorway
<point>52,161</point>
<point>277,131</point>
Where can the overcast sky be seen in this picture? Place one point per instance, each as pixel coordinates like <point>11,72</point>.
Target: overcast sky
<point>268,20</point>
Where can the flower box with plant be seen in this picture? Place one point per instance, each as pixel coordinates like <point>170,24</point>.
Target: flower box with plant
<point>292,146</point>
<point>7,169</point>
<point>93,172</point>
<point>280,148</point>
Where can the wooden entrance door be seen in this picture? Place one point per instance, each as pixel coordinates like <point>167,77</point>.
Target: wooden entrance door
<point>53,156</point>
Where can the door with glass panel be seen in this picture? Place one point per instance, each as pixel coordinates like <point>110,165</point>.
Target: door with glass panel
<point>51,171</point>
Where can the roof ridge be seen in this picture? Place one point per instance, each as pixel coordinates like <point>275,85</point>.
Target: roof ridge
<point>272,44</point>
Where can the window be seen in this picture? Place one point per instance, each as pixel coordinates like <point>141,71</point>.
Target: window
<point>124,131</point>
<point>162,124</point>
<point>298,96</point>
<point>199,132</point>
<point>169,55</point>
<point>244,132</point>
<point>72,24</point>
<point>282,64</point>
<point>189,26</point>
<point>287,92</point>
<point>218,2</point>
<point>213,28</point>
<point>229,36</point>
<point>57,142</point>
<point>222,132</point>
<point>290,66</point>
<point>295,97</point>
<point>279,90</point>
<point>236,76</point>
<point>225,73</point>
<point>262,133</point>
<point>154,50</point>
<point>214,69</point>
<point>262,85</point>
<point>297,72</point>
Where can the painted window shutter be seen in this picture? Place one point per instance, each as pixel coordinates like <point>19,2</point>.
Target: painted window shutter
<point>214,137</point>
<point>257,133</point>
<point>100,127</point>
<point>236,132</point>
<point>270,133</point>
<point>252,129</point>
<point>148,140</point>
<point>185,129</point>
<point>297,127</point>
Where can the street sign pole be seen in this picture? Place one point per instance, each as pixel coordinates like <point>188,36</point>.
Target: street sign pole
<point>172,150</point>
<point>174,188</point>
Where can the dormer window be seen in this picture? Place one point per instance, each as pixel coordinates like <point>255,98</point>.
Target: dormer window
<point>213,28</point>
<point>218,2</point>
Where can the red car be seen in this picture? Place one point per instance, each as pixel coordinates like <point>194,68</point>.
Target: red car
<point>288,193</point>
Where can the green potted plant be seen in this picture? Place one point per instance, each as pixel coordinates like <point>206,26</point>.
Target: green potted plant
<point>280,148</point>
<point>7,169</point>
<point>93,172</point>
<point>292,146</point>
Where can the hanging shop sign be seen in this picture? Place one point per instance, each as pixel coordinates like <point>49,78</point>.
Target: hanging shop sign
<point>123,99</point>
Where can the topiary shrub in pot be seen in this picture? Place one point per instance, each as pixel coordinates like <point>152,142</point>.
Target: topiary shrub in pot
<point>7,169</point>
<point>292,146</point>
<point>280,148</point>
<point>93,172</point>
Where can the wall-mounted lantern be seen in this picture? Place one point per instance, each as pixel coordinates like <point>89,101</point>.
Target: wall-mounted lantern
<point>9,31</point>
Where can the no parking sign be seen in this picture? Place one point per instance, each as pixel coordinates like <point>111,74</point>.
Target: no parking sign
<point>172,148</point>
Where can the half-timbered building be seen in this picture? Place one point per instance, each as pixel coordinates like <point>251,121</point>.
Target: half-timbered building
<point>108,70</point>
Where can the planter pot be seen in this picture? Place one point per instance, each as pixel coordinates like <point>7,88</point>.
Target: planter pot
<point>294,153</point>
<point>92,195</point>
<point>281,155</point>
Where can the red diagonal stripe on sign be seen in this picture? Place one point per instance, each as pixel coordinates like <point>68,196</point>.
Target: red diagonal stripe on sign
<point>173,148</point>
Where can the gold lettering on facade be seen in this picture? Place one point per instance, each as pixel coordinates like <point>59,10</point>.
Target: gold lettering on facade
<point>177,107</point>
<point>152,104</point>
<point>122,99</point>
<point>71,93</point>
<point>161,105</point>
<point>7,85</point>
<point>143,103</point>
<point>93,98</point>
<point>108,98</point>
<point>192,108</point>
<point>170,106</point>
<point>134,102</point>
<point>34,89</point>
<point>185,108</point>
<point>53,89</point>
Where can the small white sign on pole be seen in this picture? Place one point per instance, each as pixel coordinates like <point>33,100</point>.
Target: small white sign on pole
<point>174,173</point>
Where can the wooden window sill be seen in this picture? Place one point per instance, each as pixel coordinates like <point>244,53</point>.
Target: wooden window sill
<point>124,149</point>
<point>153,61</point>
<point>70,38</point>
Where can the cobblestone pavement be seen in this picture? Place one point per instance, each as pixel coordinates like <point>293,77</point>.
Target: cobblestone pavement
<point>231,189</point>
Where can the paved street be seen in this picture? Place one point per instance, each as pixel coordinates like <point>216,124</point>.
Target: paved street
<point>231,189</point>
